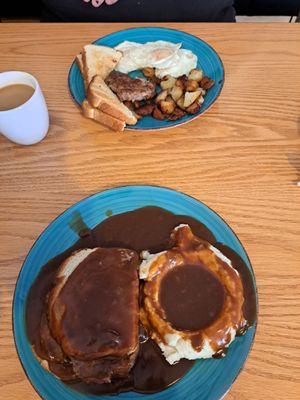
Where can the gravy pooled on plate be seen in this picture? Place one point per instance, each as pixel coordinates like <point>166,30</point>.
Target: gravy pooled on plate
<point>148,228</point>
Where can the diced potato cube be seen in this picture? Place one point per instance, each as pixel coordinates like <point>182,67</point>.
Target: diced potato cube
<point>157,114</point>
<point>168,82</point>
<point>206,83</point>
<point>161,96</point>
<point>193,108</point>
<point>167,107</point>
<point>180,102</point>
<point>200,100</point>
<point>170,99</point>
<point>176,92</point>
<point>196,74</point>
<point>190,97</point>
<point>181,82</point>
<point>191,85</point>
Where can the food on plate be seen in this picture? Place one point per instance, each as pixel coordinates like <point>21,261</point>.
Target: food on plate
<point>177,114</point>
<point>102,117</point>
<point>186,61</point>
<point>162,96</point>
<point>193,108</point>
<point>144,110</point>
<point>193,298</point>
<point>79,62</point>
<point>186,95</point>
<point>192,85</point>
<point>159,54</point>
<point>174,98</point>
<point>167,82</point>
<point>182,82</point>
<point>158,114</point>
<point>176,92</point>
<point>95,345</point>
<point>127,64</point>
<point>180,102</point>
<point>98,60</point>
<point>130,89</point>
<point>148,72</point>
<point>196,75</point>
<point>167,58</point>
<point>101,104</point>
<point>191,97</point>
<point>172,86</point>
<point>101,97</point>
<point>83,308</point>
<point>206,83</point>
<point>167,106</point>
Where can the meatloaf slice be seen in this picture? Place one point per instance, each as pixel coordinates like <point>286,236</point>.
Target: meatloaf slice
<point>105,369</point>
<point>93,312</point>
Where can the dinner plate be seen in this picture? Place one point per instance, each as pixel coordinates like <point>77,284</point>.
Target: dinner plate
<point>208,61</point>
<point>208,379</point>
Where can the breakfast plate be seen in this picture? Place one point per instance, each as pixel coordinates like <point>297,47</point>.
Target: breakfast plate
<point>208,379</point>
<point>208,61</point>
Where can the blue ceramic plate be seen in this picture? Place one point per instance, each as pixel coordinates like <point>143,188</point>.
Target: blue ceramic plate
<point>208,379</point>
<point>208,61</point>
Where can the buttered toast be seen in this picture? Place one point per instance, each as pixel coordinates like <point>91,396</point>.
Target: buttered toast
<point>98,60</point>
<point>100,96</point>
<point>101,104</point>
<point>104,119</point>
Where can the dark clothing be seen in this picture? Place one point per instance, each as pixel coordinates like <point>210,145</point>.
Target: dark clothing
<point>267,7</point>
<point>140,11</point>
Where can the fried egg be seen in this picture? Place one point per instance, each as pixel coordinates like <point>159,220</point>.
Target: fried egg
<point>127,63</point>
<point>166,57</point>
<point>184,62</point>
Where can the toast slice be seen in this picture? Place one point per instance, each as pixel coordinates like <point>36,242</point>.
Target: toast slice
<point>79,62</point>
<point>104,119</point>
<point>100,96</point>
<point>99,60</point>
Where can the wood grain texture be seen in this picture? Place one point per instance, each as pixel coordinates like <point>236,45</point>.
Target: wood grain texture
<point>242,158</point>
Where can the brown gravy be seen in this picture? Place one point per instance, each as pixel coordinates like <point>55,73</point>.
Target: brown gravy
<point>113,273</point>
<point>199,297</point>
<point>250,307</point>
<point>145,228</point>
<point>13,96</point>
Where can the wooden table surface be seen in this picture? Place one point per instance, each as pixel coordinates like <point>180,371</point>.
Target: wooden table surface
<point>242,158</point>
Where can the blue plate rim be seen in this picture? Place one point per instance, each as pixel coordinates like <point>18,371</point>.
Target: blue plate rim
<point>254,327</point>
<point>192,118</point>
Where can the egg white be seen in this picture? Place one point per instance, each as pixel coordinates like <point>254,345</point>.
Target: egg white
<point>185,62</point>
<point>127,63</point>
<point>159,54</point>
